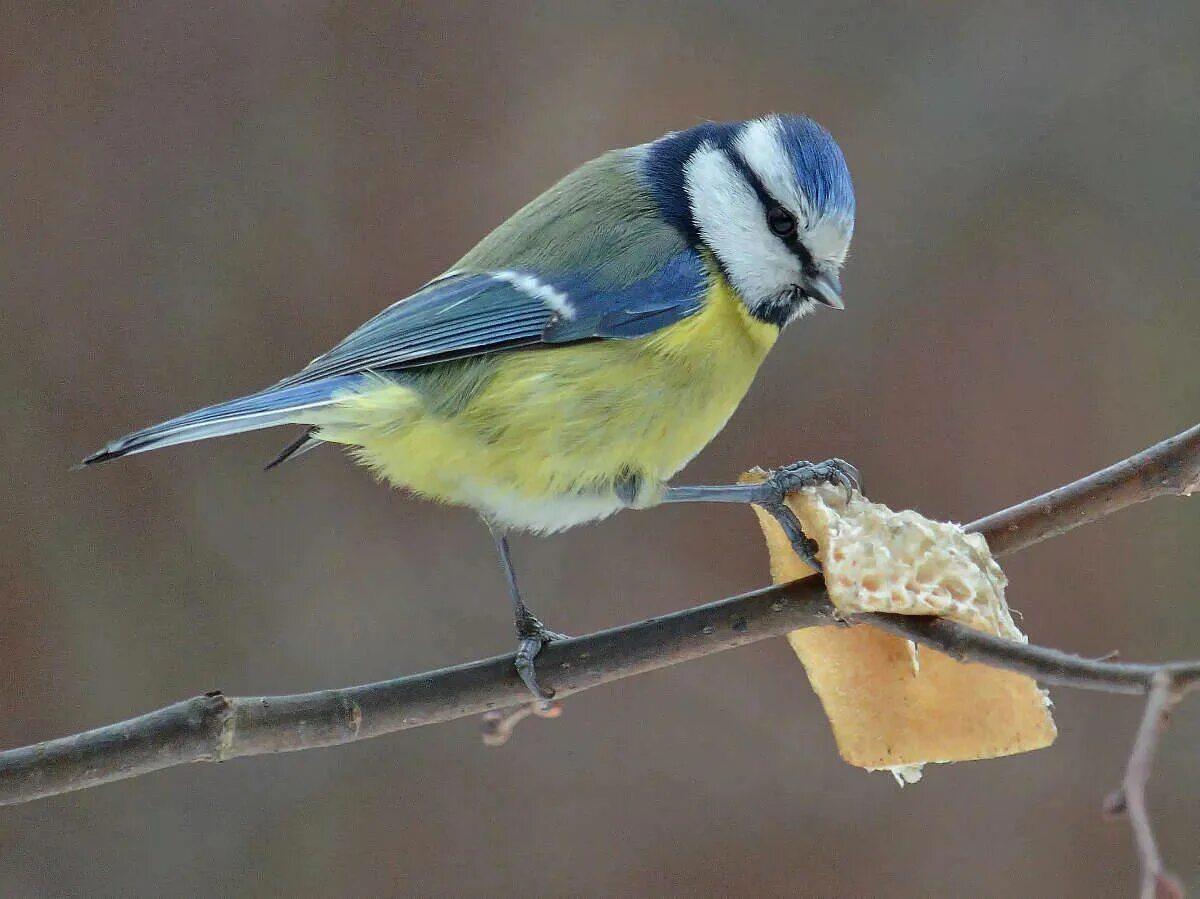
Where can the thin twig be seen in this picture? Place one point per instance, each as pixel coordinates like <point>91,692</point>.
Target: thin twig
<point>498,726</point>
<point>1157,881</point>
<point>215,727</point>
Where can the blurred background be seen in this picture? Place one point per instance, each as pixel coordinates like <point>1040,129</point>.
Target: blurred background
<point>196,199</point>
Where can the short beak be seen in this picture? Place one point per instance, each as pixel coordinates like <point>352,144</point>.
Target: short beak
<point>825,288</point>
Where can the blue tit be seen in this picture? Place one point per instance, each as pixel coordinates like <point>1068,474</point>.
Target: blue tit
<point>583,352</point>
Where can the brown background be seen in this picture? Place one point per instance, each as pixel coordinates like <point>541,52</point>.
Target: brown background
<point>195,200</point>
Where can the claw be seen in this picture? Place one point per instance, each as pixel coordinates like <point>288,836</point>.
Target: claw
<point>797,476</point>
<point>533,635</point>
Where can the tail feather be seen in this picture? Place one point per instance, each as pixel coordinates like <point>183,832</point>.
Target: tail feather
<point>266,409</point>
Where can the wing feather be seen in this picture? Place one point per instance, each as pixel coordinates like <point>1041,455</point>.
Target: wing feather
<point>472,313</point>
<point>463,314</point>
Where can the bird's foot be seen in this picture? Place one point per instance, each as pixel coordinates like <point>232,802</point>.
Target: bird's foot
<point>790,478</point>
<point>533,635</point>
<point>798,475</point>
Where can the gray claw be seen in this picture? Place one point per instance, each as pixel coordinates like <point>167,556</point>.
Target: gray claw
<point>533,636</point>
<point>848,476</point>
<point>799,475</point>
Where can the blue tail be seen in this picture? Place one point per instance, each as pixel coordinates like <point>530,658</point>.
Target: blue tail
<point>266,409</point>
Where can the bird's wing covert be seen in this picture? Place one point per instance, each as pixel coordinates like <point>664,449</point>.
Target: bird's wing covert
<point>469,313</point>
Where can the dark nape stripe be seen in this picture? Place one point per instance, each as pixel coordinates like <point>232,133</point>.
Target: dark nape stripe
<point>666,166</point>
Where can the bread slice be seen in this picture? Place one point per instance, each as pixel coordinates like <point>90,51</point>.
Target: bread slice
<point>893,705</point>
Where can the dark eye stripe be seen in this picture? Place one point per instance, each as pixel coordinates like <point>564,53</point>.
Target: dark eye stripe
<point>793,243</point>
<point>790,240</point>
<point>751,176</point>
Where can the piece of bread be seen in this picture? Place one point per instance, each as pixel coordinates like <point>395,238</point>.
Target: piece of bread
<point>894,705</point>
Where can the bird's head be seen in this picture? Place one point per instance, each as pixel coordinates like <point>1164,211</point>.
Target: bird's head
<point>772,201</point>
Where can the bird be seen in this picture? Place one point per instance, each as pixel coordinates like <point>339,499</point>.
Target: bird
<point>583,352</point>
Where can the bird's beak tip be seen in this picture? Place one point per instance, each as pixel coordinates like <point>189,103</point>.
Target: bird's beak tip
<point>827,290</point>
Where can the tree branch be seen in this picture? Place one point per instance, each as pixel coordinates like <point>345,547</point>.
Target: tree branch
<point>215,727</point>
<point>1169,468</point>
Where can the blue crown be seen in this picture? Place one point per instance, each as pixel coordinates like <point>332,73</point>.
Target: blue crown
<point>820,167</point>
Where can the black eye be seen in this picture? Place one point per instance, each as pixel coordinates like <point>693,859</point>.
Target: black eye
<point>781,222</point>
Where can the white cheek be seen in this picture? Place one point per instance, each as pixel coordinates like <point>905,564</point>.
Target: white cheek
<point>731,222</point>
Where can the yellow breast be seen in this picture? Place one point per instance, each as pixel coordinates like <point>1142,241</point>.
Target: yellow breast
<point>542,436</point>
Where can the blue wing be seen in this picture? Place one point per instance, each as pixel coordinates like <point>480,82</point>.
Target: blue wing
<point>472,313</point>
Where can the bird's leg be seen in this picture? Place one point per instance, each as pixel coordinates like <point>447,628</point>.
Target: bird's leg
<point>771,493</point>
<point>531,633</point>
